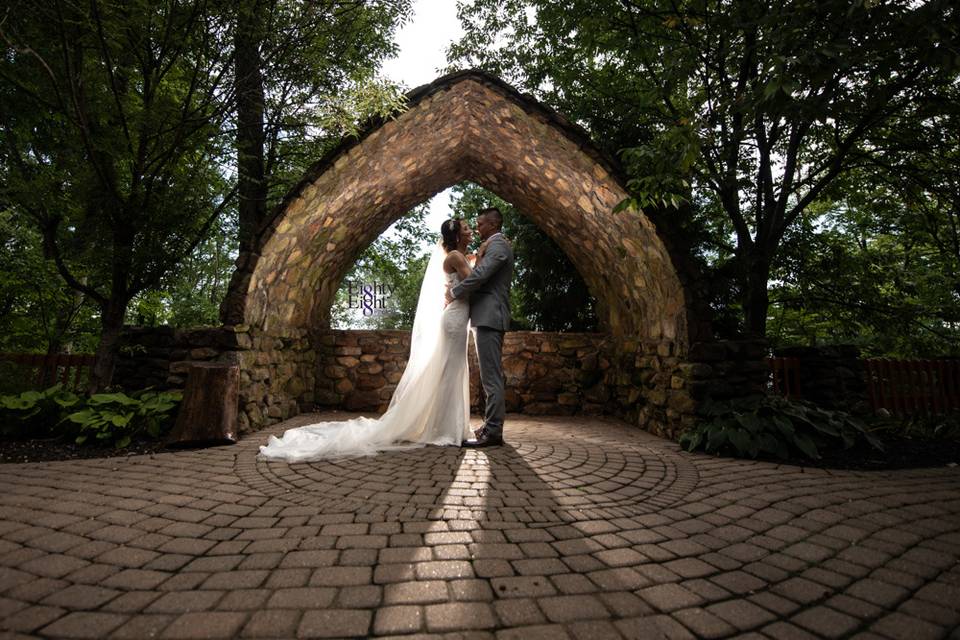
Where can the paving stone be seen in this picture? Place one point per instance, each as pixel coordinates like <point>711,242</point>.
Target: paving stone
<point>32,618</point>
<point>459,616</point>
<point>568,608</point>
<point>825,622</point>
<point>235,580</point>
<point>670,597</point>
<point>900,625</point>
<point>341,576</point>
<point>184,602</point>
<point>399,619</point>
<point>652,628</point>
<point>704,624</point>
<point>750,548</point>
<point>522,587</point>
<point>302,598</point>
<point>81,597</point>
<point>593,630</point>
<point>142,626</point>
<point>742,614</point>
<point>84,624</point>
<point>335,623</point>
<point>244,600</point>
<point>131,601</point>
<point>209,624</point>
<point>471,590</point>
<point>53,565</point>
<point>535,632</point>
<point>444,570</point>
<point>738,582</point>
<point>624,604</point>
<point>421,592</point>
<point>272,623</point>
<point>136,580</point>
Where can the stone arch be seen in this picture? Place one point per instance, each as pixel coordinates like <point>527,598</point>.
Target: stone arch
<point>470,126</point>
<point>464,126</point>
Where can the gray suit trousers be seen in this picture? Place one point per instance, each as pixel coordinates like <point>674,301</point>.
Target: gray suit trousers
<point>489,354</point>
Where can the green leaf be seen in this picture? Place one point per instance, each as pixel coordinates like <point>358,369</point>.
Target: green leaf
<point>66,399</point>
<point>805,444</point>
<point>741,440</point>
<point>81,417</point>
<point>123,442</point>
<point>121,420</point>
<point>111,398</point>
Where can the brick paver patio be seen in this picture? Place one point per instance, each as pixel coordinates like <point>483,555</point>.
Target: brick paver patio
<point>580,528</point>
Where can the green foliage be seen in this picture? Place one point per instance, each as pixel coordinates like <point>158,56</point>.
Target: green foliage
<point>774,426</point>
<point>114,418</point>
<point>34,413</point>
<point>945,426</point>
<point>748,112</point>
<point>118,417</point>
<point>38,312</point>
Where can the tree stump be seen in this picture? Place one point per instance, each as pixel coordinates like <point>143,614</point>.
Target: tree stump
<point>208,412</point>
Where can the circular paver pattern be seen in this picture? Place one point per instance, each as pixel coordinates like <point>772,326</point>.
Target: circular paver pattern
<point>582,528</point>
<point>542,474</point>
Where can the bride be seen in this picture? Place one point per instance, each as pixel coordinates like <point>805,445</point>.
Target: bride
<point>431,404</point>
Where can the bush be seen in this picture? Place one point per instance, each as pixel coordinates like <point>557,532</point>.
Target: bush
<point>114,418</point>
<point>920,427</point>
<point>118,418</point>
<point>775,426</point>
<point>34,414</point>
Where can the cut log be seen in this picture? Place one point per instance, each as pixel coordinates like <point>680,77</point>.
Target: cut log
<point>208,412</point>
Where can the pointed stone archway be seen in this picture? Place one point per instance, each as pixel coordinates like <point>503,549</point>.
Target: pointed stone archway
<point>467,126</point>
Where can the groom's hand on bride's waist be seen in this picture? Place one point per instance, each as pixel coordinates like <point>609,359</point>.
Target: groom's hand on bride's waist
<point>447,296</point>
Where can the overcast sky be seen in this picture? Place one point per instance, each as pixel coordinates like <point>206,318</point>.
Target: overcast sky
<point>423,44</point>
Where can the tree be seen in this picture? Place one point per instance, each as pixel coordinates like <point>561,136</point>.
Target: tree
<point>111,124</point>
<point>756,106</point>
<point>119,118</point>
<point>304,74</point>
<point>37,311</point>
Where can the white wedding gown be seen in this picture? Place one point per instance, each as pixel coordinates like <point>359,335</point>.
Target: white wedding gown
<point>431,404</point>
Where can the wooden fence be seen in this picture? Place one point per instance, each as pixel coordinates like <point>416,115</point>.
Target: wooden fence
<point>902,387</point>
<point>786,381</point>
<point>911,387</point>
<point>43,370</point>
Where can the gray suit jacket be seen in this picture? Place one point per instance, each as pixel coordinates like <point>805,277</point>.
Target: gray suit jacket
<point>489,286</point>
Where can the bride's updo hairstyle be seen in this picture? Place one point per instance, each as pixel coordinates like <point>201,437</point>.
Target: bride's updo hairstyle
<point>450,234</point>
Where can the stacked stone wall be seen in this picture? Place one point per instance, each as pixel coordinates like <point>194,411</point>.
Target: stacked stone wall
<point>650,384</point>
<point>277,373</point>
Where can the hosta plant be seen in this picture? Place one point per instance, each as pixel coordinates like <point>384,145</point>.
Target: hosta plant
<point>118,417</point>
<point>34,413</point>
<point>774,426</point>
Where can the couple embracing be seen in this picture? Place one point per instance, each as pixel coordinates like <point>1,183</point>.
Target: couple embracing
<point>431,404</point>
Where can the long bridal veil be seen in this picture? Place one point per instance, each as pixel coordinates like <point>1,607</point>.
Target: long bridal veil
<point>412,408</point>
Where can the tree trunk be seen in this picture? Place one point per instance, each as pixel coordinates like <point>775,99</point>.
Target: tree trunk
<point>111,323</point>
<point>756,299</point>
<point>252,185</point>
<point>208,412</point>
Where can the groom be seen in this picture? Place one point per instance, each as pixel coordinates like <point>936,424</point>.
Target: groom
<point>489,289</point>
